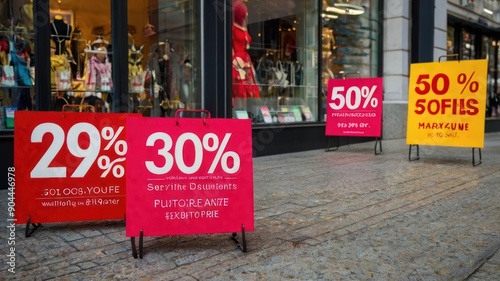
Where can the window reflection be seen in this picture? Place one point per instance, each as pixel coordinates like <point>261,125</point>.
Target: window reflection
<point>163,56</point>
<point>274,58</point>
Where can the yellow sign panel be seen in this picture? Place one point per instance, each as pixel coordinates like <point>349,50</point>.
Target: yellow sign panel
<point>447,103</point>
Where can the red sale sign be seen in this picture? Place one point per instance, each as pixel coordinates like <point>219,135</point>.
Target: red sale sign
<point>189,176</point>
<point>354,107</point>
<point>70,166</point>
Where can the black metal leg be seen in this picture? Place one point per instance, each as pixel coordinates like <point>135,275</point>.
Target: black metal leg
<point>334,148</point>
<point>141,245</point>
<point>243,245</point>
<point>379,142</point>
<point>474,163</point>
<point>28,232</point>
<point>418,153</point>
<point>134,249</point>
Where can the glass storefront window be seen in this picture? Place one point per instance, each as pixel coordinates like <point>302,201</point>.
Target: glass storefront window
<point>494,91</point>
<point>349,41</point>
<point>489,50</point>
<point>164,55</point>
<point>450,42</point>
<point>80,53</point>
<point>468,46</point>
<point>274,61</point>
<point>16,59</point>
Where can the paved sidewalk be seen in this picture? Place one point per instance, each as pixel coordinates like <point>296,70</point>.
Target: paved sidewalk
<point>339,215</point>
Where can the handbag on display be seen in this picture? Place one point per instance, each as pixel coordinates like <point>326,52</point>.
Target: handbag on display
<point>239,65</point>
<point>63,79</point>
<point>8,78</point>
<point>105,84</point>
<point>281,76</point>
<point>137,83</point>
<point>57,63</point>
<point>298,74</point>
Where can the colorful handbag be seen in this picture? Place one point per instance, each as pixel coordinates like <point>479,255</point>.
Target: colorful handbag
<point>105,84</point>
<point>8,79</point>
<point>63,79</point>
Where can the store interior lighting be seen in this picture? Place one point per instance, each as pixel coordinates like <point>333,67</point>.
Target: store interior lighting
<point>329,16</point>
<point>346,9</point>
<point>488,11</point>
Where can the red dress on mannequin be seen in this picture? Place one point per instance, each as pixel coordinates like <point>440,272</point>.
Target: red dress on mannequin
<point>244,83</point>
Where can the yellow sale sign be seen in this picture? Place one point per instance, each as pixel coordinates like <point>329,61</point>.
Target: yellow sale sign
<point>447,103</point>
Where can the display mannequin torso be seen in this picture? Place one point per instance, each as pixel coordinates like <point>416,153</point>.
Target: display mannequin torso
<point>60,33</point>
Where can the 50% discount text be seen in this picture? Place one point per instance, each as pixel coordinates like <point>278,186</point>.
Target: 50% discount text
<point>84,141</point>
<point>450,97</point>
<point>353,97</point>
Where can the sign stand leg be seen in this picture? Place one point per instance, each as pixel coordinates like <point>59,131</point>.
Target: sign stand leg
<point>379,141</point>
<point>141,246</point>
<point>35,226</point>
<point>474,163</point>
<point>134,250</point>
<point>409,153</point>
<point>243,245</point>
<point>334,148</point>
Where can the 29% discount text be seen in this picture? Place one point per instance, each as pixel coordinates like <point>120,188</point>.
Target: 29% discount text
<point>71,166</point>
<point>354,106</point>
<point>83,141</point>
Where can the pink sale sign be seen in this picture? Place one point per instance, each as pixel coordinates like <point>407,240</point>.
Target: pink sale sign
<point>354,107</point>
<point>189,176</point>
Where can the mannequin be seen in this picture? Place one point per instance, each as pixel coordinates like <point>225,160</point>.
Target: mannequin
<point>60,32</point>
<point>4,14</point>
<point>244,83</point>
<point>170,69</point>
<point>26,15</point>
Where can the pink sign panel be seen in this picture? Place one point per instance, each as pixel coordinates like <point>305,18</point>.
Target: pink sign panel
<point>354,107</point>
<point>189,176</point>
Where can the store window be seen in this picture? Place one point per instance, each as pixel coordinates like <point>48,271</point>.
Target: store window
<point>274,61</point>
<point>450,42</point>
<point>163,52</point>
<point>164,55</point>
<point>468,46</point>
<point>495,95</point>
<point>16,59</point>
<point>80,53</point>
<point>487,53</point>
<point>349,40</point>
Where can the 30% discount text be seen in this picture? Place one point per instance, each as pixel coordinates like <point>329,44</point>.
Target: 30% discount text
<point>188,151</point>
<point>83,140</point>
<point>450,94</point>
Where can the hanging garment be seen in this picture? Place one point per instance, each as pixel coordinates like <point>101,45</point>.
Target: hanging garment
<point>99,76</point>
<point>24,101</point>
<point>20,60</point>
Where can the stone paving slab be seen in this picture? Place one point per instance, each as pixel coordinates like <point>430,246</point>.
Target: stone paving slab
<point>338,215</point>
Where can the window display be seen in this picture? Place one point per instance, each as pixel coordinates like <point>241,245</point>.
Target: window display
<point>348,40</point>
<point>80,54</point>
<point>163,57</point>
<point>470,44</point>
<point>16,59</point>
<point>274,61</point>
<point>245,85</point>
